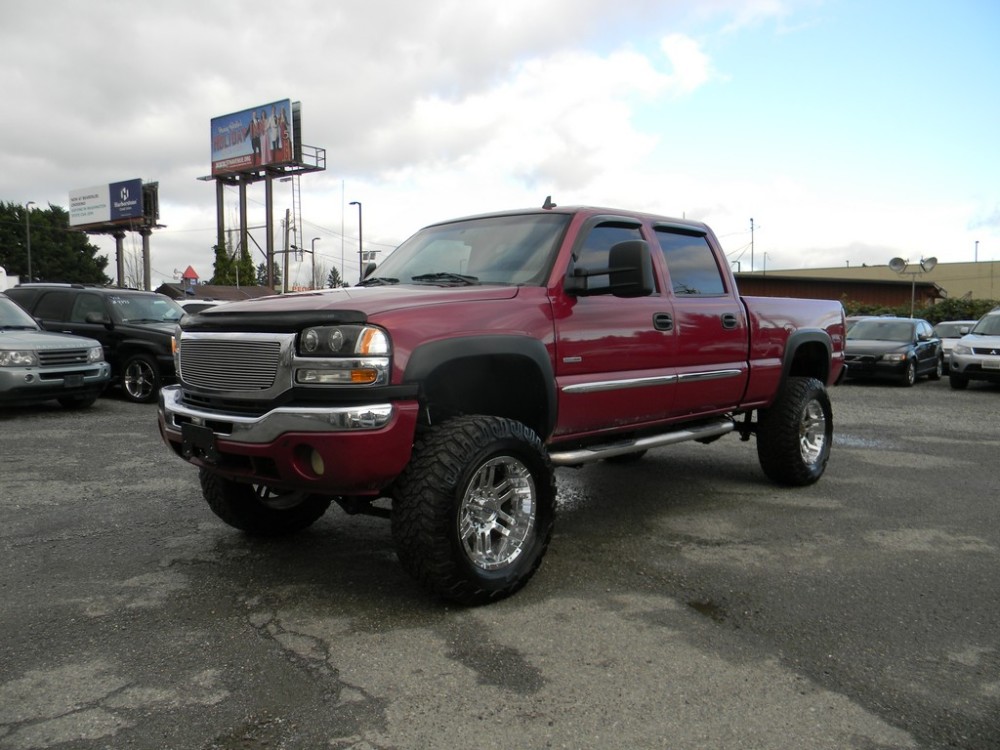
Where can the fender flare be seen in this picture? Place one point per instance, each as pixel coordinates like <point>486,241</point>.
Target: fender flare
<point>795,342</point>
<point>426,358</point>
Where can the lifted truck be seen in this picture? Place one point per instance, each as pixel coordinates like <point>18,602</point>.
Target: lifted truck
<point>443,389</point>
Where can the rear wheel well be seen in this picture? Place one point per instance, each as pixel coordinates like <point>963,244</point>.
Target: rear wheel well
<point>501,385</point>
<point>811,359</point>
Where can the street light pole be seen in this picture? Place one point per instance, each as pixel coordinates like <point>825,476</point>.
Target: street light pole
<point>313,245</point>
<point>361,265</point>
<point>27,227</point>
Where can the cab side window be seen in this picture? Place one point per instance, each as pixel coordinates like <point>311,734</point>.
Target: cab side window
<point>595,251</point>
<point>54,306</point>
<point>690,262</point>
<point>86,303</point>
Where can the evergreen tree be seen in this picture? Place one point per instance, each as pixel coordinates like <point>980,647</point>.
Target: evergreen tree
<point>333,280</point>
<point>225,267</point>
<point>58,253</point>
<point>262,274</point>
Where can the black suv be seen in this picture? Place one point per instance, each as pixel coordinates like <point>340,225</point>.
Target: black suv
<point>135,328</point>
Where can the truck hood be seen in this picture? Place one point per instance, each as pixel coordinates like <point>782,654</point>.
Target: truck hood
<point>368,300</point>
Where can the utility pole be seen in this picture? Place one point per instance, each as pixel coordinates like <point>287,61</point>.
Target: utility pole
<point>284,278</point>
<point>751,244</point>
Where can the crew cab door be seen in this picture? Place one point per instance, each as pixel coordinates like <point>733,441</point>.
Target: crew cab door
<point>613,354</point>
<point>710,324</point>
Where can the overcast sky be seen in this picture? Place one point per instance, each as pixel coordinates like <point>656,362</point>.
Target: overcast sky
<point>849,131</point>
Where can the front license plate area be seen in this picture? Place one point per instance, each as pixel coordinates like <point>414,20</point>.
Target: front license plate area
<point>198,441</point>
<point>991,364</point>
<point>72,381</point>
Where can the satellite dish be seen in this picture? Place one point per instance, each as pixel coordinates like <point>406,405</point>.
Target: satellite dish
<point>928,263</point>
<point>897,264</point>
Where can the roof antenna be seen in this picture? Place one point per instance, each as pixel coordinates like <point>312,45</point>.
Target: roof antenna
<point>548,202</point>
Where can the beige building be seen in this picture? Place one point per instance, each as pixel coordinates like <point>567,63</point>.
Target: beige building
<point>979,280</point>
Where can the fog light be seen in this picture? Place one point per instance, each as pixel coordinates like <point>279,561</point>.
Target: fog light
<point>316,461</point>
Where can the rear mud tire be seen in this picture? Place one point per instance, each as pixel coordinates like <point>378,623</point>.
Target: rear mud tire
<point>795,434</point>
<point>473,511</point>
<point>257,509</point>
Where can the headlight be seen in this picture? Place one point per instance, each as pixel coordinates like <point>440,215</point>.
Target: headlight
<point>95,354</point>
<point>343,341</point>
<point>961,349</point>
<point>895,357</point>
<point>24,358</point>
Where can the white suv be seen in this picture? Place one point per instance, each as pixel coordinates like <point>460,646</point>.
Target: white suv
<point>976,356</point>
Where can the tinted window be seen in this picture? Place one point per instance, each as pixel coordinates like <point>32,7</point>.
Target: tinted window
<point>84,304</point>
<point>594,254</point>
<point>54,306</point>
<point>690,262</point>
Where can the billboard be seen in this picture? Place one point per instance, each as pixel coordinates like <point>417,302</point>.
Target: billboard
<point>106,204</point>
<point>257,137</point>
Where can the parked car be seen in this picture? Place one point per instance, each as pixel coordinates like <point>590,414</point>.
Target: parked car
<point>950,331</point>
<point>900,349</point>
<point>37,365</point>
<point>134,327</point>
<point>976,356</point>
<point>851,320</point>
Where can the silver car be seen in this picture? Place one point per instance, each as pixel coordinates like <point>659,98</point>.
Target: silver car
<point>950,331</point>
<point>37,365</point>
<point>976,356</point>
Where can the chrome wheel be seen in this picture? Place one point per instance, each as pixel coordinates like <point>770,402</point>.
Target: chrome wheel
<point>139,379</point>
<point>812,432</point>
<point>497,513</point>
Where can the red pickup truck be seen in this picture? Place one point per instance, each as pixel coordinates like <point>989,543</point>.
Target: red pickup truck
<point>442,390</point>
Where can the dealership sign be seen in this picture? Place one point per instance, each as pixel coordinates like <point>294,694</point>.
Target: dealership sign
<point>106,204</point>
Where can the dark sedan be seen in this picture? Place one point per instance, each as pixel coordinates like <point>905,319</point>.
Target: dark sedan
<point>899,349</point>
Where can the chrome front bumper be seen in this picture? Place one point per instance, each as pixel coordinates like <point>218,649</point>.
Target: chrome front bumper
<point>268,427</point>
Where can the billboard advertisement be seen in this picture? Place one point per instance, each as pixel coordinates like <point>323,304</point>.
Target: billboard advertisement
<point>106,204</point>
<point>258,137</point>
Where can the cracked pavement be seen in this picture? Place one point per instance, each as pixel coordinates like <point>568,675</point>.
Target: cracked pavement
<point>685,602</point>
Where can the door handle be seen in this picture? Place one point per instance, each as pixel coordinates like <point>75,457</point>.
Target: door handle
<point>663,322</point>
<point>729,320</point>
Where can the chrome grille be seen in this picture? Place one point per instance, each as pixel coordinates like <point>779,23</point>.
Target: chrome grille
<point>230,365</point>
<point>57,357</point>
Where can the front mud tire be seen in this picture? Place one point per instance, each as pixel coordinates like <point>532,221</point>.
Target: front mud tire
<point>795,434</point>
<point>473,511</point>
<point>259,510</point>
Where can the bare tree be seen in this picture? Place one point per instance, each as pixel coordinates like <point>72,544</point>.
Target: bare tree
<point>319,274</point>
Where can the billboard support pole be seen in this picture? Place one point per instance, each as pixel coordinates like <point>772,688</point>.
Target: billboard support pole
<point>120,257</point>
<point>243,215</point>
<point>269,228</point>
<point>147,280</point>
<point>220,216</point>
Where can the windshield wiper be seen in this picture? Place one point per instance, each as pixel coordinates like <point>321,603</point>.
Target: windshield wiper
<point>458,278</point>
<point>378,281</point>
<point>17,328</point>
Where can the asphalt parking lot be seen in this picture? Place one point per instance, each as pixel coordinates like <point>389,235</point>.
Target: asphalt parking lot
<point>685,602</point>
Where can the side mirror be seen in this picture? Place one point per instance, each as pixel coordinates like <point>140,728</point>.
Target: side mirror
<point>631,269</point>
<point>629,272</point>
<point>96,318</point>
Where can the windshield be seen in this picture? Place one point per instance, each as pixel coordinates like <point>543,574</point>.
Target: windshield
<point>874,329</point>
<point>145,308</point>
<point>988,326</point>
<point>489,250</point>
<point>12,316</point>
